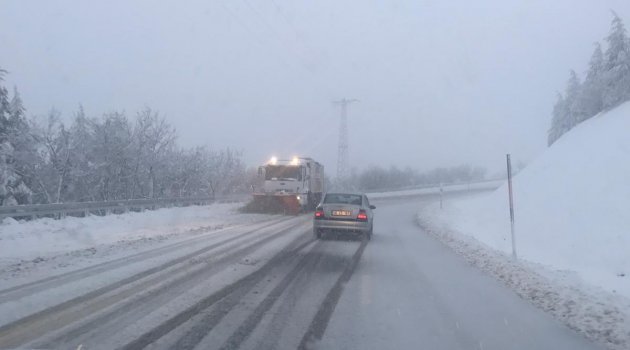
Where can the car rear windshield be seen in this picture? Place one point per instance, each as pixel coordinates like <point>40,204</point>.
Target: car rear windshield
<point>340,198</point>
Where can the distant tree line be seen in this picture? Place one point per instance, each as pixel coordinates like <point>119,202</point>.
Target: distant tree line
<point>606,85</point>
<point>111,157</point>
<point>379,178</point>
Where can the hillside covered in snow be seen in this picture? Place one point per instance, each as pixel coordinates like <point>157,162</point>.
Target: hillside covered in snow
<point>572,206</point>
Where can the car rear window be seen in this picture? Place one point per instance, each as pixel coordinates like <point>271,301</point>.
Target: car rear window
<point>339,198</point>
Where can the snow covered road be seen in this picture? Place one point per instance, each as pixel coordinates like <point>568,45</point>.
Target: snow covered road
<point>226,289</point>
<point>270,285</point>
<point>412,292</point>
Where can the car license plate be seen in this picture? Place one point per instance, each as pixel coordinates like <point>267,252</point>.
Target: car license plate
<point>341,212</point>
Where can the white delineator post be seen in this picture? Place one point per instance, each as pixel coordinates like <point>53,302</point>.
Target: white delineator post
<point>509,174</point>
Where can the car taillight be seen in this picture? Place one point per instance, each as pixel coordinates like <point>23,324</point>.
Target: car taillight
<point>319,213</point>
<point>362,216</point>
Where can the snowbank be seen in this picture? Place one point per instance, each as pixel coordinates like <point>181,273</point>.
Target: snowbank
<point>34,239</point>
<point>572,206</point>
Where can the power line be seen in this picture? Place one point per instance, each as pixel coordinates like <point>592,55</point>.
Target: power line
<point>277,35</point>
<point>286,19</point>
<point>290,49</point>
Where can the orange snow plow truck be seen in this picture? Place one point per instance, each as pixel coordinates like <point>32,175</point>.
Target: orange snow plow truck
<point>288,186</point>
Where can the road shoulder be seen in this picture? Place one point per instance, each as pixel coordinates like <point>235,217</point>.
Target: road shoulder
<point>600,316</point>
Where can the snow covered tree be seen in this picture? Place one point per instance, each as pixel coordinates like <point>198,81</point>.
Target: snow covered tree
<point>153,139</point>
<point>57,141</point>
<point>225,171</point>
<point>105,158</point>
<point>590,100</point>
<point>607,84</point>
<point>558,115</point>
<point>16,108</point>
<point>4,110</point>
<point>187,171</point>
<point>113,161</point>
<point>82,169</point>
<point>616,84</point>
<point>7,175</point>
<point>372,178</point>
<point>572,95</point>
<point>566,112</point>
<point>16,149</point>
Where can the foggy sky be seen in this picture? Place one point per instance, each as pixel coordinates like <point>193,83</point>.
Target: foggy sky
<point>439,82</point>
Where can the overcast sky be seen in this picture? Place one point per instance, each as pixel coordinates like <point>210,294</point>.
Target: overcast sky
<point>439,82</point>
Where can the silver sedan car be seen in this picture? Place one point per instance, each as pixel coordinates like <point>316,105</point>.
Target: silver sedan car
<point>344,212</point>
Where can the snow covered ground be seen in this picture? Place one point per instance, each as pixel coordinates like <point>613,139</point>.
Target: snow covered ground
<point>27,244</point>
<point>572,228</point>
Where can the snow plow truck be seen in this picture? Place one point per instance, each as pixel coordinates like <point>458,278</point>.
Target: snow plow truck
<point>288,186</point>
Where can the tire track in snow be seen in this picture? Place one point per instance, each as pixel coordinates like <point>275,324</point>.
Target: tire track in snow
<point>245,329</point>
<point>45,321</point>
<point>30,288</point>
<point>249,324</point>
<point>109,322</point>
<point>248,281</point>
<point>320,321</point>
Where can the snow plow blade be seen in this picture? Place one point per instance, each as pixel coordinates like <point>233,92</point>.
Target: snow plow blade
<point>273,204</point>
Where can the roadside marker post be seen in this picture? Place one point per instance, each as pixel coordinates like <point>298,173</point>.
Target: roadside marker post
<point>509,174</point>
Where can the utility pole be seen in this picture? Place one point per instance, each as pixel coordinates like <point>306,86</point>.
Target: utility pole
<point>343,164</point>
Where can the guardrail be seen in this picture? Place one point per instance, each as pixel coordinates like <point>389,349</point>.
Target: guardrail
<point>34,211</point>
<point>435,185</point>
<point>436,189</point>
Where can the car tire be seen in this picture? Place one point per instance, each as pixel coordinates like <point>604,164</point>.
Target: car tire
<point>318,234</point>
<point>369,233</point>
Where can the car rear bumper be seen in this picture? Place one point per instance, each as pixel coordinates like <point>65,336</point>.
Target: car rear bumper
<point>341,225</point>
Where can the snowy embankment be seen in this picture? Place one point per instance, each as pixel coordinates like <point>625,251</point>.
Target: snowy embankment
<point>572,228</point>
<point>38,240</point>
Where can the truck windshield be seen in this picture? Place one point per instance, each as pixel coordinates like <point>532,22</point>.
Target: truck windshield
<point>283,172</point>
<point>340,198</point>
